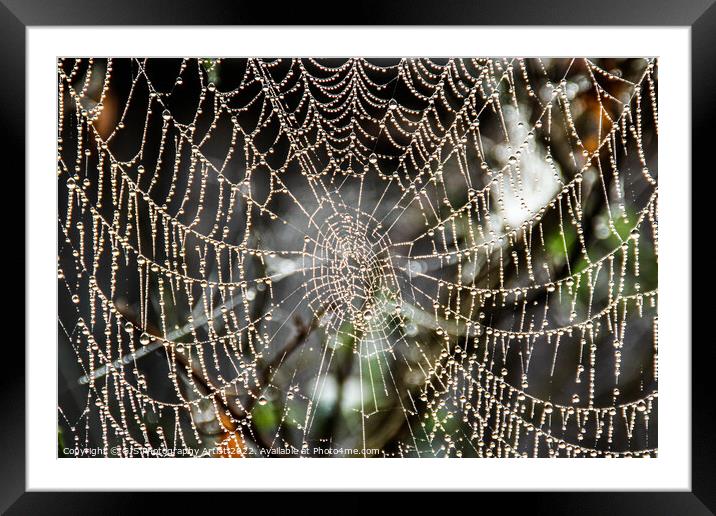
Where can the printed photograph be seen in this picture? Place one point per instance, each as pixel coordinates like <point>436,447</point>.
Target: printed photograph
<point>409,257</point>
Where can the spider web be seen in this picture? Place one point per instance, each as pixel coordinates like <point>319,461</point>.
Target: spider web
<point>358,257</point>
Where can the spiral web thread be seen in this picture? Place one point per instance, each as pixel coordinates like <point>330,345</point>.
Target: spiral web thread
<point>423,257</point>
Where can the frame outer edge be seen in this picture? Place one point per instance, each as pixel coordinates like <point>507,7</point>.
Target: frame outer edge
<point>12,379</point>
<point>703,109</point>
<point>13,54</point>
<point>554,504</point>
<point>364,12</point>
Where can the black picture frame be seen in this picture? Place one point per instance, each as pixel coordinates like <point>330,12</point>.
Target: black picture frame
<point>17,15</point>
